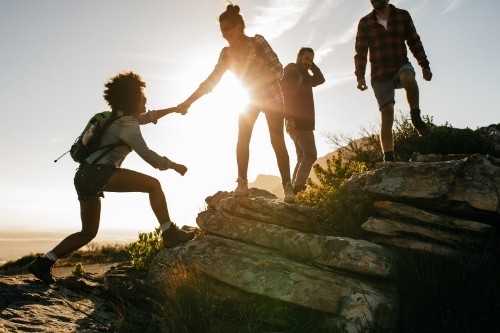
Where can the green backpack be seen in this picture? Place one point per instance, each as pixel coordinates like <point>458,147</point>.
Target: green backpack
<point>90,139</point>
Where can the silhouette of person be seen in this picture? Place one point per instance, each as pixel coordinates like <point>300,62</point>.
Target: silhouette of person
<point>257,66</point>
<point>124,94</point>
<point>384,32</point>
<point>296,85</point>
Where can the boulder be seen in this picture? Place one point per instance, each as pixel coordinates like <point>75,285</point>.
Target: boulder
<point>260,246</point>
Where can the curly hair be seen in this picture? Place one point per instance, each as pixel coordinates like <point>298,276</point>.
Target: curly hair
<point>232,15</point>
<point>123,91</point>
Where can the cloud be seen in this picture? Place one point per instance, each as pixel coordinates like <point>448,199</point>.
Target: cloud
<point>453,4</point>
<point>278,17</point>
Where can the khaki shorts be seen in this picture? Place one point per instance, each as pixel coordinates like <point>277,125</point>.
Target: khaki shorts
<point>385,89</point>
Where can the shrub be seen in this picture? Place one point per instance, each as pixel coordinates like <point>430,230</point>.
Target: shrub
<point>78,271</point>
<point>444,139</point>
<point>143,251</point>
<point>342,212</point>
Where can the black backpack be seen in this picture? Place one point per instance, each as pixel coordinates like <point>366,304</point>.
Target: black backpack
<point>90,138</point>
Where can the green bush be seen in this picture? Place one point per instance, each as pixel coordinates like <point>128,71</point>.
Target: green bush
<point>78,271</point>
<point>444,139</point>
<point>143,251</point>
<point>340,211</point>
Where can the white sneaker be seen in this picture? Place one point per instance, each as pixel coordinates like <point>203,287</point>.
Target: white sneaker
<point>288,192</point>
<point>242,188</point>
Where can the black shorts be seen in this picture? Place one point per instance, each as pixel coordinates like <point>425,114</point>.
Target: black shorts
<point>90,180</point>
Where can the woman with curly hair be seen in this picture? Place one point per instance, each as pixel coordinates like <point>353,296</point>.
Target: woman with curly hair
<point>124,93</point>
<point>257,66</point>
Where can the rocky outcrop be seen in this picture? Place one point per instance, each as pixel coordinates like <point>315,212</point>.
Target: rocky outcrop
<point>435,203</point>
<point>27,305</point>
<point>260,246</point>
<point>118,301</point>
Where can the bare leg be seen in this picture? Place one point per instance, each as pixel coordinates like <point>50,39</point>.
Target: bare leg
<point>386,138</point>
<point>275,122</point>
<point>90,211</point>
<point>125,180</point>
<point>408,82</point>
<point>245,128</point>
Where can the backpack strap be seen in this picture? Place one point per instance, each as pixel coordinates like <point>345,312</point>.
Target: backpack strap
<point>107,148</point>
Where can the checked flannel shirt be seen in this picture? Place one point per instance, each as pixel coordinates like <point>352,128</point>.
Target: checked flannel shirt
<point>257,66</point>
<point>387,47</point>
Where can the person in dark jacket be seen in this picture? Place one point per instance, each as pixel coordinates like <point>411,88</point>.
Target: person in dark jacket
<point>298,80</point>
<point>385,33</point>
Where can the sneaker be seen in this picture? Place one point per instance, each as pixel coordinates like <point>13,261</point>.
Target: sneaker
<point>297,188</point>
<point>288,192</point>
<point>420,126</point>
<point>174,236</point>
<point>41,268</point>
<point>242,188</point>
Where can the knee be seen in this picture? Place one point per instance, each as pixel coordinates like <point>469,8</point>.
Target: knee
<point>154,185</point>
<point>407,79</point>
<point>88,235</point>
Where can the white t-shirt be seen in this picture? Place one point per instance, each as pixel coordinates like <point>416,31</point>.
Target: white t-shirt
<point>382,22</point>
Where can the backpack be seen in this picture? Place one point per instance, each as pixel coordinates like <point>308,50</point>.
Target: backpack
<point>89,140</point>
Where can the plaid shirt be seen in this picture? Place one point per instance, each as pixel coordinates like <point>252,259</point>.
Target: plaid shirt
<point>387,47</point>
<point>258,68</point>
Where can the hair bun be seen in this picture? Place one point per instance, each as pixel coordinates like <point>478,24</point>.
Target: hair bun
<point>233,9</point>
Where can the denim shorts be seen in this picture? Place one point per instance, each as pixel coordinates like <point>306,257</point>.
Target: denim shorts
<point>90,180</point>
<point>384,89</point>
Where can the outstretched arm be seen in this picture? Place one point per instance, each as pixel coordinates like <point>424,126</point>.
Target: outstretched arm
<point>209,84</point>
<point>152,116</point>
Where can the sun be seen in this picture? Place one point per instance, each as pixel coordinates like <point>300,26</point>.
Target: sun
<point>231,93</point>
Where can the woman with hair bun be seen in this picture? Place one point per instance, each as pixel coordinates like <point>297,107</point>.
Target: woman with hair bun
<point>257,66</point>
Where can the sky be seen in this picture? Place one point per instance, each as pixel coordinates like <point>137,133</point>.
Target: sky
<point>56,56</point>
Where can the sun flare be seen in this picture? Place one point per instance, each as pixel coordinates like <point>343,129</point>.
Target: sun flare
<point>231,93</point>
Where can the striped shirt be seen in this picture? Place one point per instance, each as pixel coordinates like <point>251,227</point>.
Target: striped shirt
<point>257,66</point>
<point>387,47</point>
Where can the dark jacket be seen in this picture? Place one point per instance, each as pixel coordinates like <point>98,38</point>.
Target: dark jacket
<point>296,86</point>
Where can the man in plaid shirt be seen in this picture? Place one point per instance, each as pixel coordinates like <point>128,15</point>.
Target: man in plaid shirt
<point>384,32</point>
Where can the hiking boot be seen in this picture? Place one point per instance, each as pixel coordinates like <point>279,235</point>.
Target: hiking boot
<point>242,188</point>
<point>41,268</point>
<point>389,156</point>
<point>297,188</point>
<point>174,236</point>
<point>288,192</point>
<point>420,126</point>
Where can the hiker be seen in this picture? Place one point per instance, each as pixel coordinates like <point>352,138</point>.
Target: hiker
<point>124,93</point>
<point>384,32</point>
<point>296,85</point>
<point>257,66</point>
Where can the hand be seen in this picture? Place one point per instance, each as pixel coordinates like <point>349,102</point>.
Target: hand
<point>362,85</point>
<point>427,74</point>
<point>183,108</point>
<point>179,168</point>
<point>179,110</point>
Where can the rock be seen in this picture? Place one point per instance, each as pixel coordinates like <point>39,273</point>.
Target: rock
<point>468,187</point>
<point>437,204</point>
<point>257,245</point>
<point>27,305</point>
